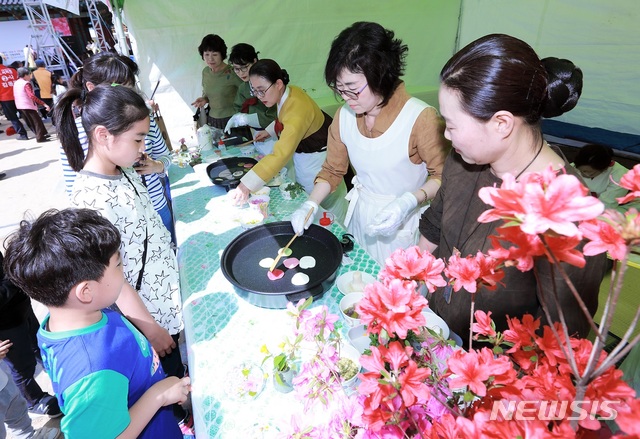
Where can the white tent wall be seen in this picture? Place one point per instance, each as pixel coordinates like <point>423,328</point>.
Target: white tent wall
<point>601,37</point>
<point>296,33</point>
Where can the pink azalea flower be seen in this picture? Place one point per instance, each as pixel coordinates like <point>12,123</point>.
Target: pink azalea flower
<point>414,264</point>
<point>545,201</point>
<point>395,308</point>
<point>412,383</point>
<point>470,372</point>
<point>631,181</point>
<point>463,272</point>
<point>484,324</point>
<point>605,236</point>
<point>490,272</point>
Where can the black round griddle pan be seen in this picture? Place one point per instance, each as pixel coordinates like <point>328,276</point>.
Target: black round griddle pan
<point>240,263</point>
<point>228,172</point>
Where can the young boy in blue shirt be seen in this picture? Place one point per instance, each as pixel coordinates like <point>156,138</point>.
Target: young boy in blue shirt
<point>106,376</point>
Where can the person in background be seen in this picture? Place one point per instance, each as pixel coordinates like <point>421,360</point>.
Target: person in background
<point>301,129</point>
<point>19,327</point>
<point>27,102</point>
<point>250,111</point>
<point>13,408</point>
<point>394,142</point>
<point>493,94</point>
<point>29,57</point>
<point>105,373</point>
<point>59,87</point>
<point>8,77</point>
<point>219,83</point>
<point>602,174</point>
<point>116,121</point>
<point>111,68</point>
<point>45,83</point>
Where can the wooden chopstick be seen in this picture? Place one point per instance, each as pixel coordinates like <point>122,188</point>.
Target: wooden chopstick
<point>282,251</point>
<point>248,142</point>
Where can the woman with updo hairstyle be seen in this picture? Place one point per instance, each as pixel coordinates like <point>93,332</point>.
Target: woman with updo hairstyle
<point>219,82</point>
<point>493,95</point>
<point>394,142</point>
<point>301,131</point>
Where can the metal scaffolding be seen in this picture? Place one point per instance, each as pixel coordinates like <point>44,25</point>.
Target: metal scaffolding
<point>50,47</point>
<point>98,25</point>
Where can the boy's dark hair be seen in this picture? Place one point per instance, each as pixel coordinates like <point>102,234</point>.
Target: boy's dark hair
<point>49,256</point>
<point>213,43</point>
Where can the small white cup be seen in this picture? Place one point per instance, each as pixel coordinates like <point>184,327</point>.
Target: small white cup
<point>348,301</point>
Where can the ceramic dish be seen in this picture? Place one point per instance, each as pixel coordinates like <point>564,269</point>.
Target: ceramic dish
<point>348,301</point>
<point>351,353</point>
<point>358,338</point>
<point>344,281</point>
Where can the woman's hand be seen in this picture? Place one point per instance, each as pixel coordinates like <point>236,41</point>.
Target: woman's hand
<point>153,105</point>
<point>200,102</point>
<point>239,195</point>
<point>261,136</point>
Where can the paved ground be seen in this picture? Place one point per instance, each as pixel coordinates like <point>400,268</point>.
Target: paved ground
<point>32,185</point>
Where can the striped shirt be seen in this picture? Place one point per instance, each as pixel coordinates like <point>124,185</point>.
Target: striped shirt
<point>156,148</point>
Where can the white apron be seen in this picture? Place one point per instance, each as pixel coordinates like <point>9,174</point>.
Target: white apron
<point>307,166</point>
<point>383,173</point>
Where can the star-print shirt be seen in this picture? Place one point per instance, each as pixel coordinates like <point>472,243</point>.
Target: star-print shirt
<point>124,201</point>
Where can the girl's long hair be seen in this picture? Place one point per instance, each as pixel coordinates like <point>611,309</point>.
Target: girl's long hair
<point>115,107</point>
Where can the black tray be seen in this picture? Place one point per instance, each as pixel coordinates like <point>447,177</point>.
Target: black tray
<point>228,172</point>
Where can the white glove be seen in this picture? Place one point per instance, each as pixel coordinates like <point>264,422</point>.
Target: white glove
<point>387,221</point>
<point>297,218</point>
<point>237,120</point>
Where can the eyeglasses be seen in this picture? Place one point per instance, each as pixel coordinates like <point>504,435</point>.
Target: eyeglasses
<point>241,69</point>
<point>259,93</point>
<point>348,93</point>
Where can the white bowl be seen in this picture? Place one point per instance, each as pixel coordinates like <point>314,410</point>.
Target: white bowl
<point>250,219</point>
<point>347,351</point>
<point>344,281</point>
<point>435,323</point>
<point>348,301</point>
<point>358,338</point>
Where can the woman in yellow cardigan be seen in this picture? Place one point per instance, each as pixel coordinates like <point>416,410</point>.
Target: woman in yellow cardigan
<point>301,129</point>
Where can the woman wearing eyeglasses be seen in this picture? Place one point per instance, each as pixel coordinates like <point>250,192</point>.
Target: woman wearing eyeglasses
<point>219,82</point>
<point>301,130</point>
<point>250,111</point>
<point>394,142</point>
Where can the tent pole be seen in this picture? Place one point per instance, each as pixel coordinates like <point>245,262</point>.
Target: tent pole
<point>117,24</point>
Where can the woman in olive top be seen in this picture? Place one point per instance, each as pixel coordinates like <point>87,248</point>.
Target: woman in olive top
<point>219,82</point>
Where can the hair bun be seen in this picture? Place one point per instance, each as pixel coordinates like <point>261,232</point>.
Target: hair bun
<point>285,77</point>
<point>564,86</point>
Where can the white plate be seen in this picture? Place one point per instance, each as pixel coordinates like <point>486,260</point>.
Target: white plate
<point>344,281</point>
